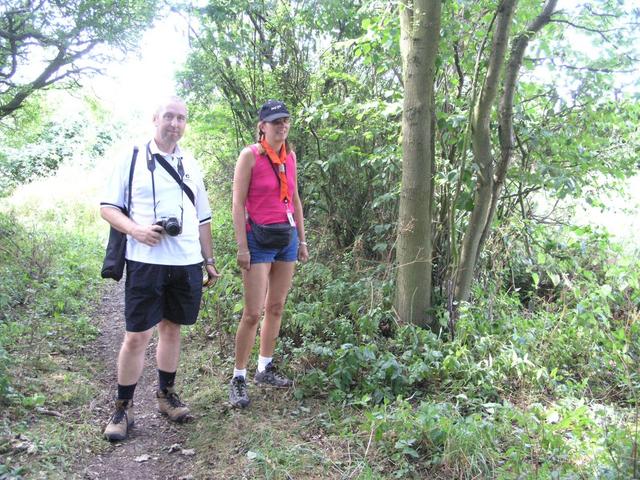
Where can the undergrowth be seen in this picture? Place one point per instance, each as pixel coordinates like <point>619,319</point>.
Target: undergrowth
<point>537,385</point>
<point>46,291</point>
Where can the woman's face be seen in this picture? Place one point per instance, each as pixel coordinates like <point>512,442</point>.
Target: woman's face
<point>276,131</point>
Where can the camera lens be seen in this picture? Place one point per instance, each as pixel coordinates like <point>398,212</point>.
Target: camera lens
<point>172,226</point>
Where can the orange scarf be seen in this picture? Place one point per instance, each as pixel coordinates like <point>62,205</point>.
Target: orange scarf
<point>279,161</point>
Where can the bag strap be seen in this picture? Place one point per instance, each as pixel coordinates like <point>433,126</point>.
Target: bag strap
<point>131,169</point>
<point>170,170</point>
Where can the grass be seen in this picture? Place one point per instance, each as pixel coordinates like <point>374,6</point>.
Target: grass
<point>277,437</point>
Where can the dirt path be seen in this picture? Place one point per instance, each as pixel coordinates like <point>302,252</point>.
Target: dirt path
<point>155,447</point>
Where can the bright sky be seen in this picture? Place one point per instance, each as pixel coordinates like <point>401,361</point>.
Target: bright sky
<point>132,88</point>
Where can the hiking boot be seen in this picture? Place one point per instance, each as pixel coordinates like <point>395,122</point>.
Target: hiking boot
<point>121,421</point>
<point>169,404</point>
<point>238,395</point>
<point>270,376</point>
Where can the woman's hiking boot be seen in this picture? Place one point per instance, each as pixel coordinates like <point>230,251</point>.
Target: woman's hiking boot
<point>270,376</point>
<point>169,404</point>
<point>121,421</point>
<point>238,395</point>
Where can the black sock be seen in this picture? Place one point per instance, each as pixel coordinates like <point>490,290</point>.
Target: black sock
<point>125,392</point>
<point>166,379</point>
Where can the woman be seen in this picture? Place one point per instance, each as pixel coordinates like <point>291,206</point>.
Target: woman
<point>265,192</point>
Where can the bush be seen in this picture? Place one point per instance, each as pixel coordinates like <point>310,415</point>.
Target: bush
<point>48,281</point>
<point>525,389</point>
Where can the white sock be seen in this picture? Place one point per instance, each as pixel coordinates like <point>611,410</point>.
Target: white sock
<point>239,373</point>
<point>263,362</point>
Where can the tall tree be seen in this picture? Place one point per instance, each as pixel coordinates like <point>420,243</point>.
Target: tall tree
<point>482,148</point>
<point>44,42</point>
<point>491,172</point>
<point>420,34</point>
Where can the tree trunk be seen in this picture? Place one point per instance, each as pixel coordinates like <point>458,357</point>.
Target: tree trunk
<point>420,33</point>
<point>481,139</point>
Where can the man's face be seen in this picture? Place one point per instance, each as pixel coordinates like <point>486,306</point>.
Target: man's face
<point>170,122</point>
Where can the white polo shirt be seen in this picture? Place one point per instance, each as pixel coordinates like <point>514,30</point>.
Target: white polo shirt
<point>183,249</point>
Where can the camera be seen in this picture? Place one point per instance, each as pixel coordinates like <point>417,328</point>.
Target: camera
<point>171,225</point>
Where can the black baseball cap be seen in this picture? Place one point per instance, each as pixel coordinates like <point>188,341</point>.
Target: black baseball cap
<point>272,110</point>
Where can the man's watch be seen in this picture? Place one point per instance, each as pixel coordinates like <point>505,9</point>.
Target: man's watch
<point>210,261</point>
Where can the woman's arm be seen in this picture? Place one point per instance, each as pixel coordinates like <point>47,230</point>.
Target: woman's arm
<point>241,180</point>
<point>303,249</point>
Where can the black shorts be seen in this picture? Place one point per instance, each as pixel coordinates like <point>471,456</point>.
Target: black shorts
<point>156,292</point>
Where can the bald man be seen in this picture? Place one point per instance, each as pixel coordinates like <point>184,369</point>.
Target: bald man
<point>168,243</point>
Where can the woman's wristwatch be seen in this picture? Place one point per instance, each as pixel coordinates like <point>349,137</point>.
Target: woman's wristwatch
<point>210,261</point>
<point>304,243</point>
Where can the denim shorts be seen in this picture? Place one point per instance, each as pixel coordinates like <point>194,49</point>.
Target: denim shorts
<point>260,254</point>
<point>154,292</point>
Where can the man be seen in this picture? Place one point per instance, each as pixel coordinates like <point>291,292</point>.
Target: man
<point>168,236</point>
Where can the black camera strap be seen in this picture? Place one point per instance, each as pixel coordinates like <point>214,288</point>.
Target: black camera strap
<point>177,176</point>
<point>151,166</point>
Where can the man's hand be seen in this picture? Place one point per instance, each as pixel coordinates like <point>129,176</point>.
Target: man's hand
<point>147,234</point>
<point>212,275</point>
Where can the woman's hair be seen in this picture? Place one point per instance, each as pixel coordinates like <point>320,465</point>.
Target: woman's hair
<point>260,136</point>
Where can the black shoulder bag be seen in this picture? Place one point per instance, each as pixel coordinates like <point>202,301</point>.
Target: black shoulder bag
<point>114,259</point>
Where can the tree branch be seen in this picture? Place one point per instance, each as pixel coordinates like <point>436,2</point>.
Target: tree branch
<point>505,130</point>
<point>35,29</point>
<point>586,29</point>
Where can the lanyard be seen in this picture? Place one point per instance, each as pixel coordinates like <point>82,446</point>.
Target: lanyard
<point>151,165</point>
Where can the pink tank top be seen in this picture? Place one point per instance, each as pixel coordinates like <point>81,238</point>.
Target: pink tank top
<point>263,199</point>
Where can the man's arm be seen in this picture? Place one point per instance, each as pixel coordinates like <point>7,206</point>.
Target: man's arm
<point>206,248</point>
<point>147,234</point>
